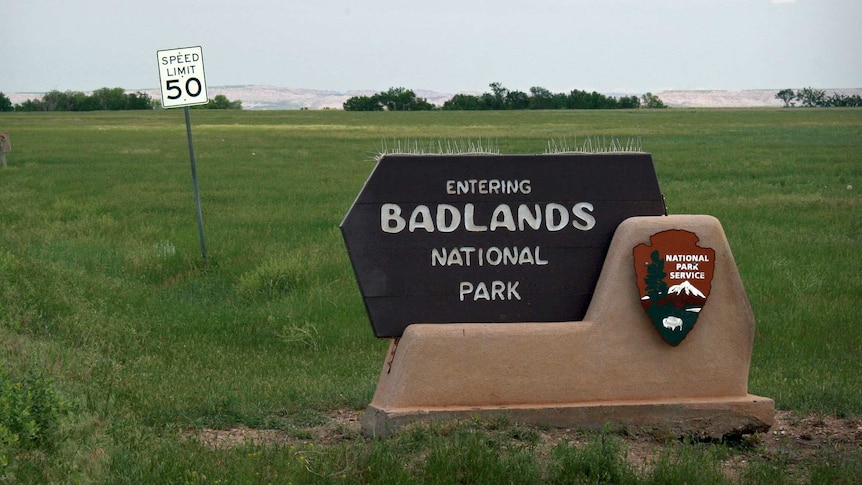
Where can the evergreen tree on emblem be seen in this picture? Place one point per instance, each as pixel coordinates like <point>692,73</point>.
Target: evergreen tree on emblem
<point>656,288</point>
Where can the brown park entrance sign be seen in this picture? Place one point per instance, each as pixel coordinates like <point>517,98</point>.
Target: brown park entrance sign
<point>490,238</point>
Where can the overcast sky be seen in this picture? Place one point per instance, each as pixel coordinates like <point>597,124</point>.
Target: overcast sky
<point>449,46</point>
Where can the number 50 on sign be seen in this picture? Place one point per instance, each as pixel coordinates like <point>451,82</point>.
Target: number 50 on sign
<point>181,73</point>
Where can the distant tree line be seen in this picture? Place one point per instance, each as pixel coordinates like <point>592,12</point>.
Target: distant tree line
<point>816,98</point>
<point>395,99</point>
<point>112,99</point>
<point>500,98</point>
<point>104,99</point>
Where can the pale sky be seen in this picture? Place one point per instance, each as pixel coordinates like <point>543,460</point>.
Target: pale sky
<point>449,46</point>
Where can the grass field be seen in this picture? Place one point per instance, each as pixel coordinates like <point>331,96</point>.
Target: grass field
<point>117,344</point>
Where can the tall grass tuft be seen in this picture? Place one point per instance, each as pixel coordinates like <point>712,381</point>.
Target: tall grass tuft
<point>601,460</point>
<point>687,462</point>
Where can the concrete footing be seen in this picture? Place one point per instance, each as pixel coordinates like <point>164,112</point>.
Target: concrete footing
<point>706,419</point>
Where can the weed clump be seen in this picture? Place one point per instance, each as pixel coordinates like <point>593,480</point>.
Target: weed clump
<point>30,415</point>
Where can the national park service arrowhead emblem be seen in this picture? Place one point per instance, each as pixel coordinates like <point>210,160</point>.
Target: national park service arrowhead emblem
<point>674,277</point>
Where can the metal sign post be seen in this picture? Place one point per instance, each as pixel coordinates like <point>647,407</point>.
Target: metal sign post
<point>195,183</point>
<point>182,83</point>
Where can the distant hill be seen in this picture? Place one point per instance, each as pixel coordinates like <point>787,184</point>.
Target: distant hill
<point>733,99</point>
<point>273,97</point>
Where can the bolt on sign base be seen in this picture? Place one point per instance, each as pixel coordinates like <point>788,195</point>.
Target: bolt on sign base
<point>613,367</point>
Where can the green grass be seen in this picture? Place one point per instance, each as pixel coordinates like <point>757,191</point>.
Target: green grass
<point>102,289</point>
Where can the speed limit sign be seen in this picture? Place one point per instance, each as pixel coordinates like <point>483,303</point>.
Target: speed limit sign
<point>181,72</point>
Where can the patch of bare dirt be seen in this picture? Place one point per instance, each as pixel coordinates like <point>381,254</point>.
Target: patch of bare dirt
<point>340,425</point>
<point>804,436</point>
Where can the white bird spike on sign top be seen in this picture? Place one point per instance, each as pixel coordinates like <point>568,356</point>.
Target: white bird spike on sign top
<point>594,144</point>
<point>438,147</point>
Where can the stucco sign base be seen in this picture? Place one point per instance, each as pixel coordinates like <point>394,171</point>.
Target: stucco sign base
<point>611,368</point>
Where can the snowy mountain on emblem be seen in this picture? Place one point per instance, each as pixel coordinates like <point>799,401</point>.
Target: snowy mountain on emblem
<point>686,287</point>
